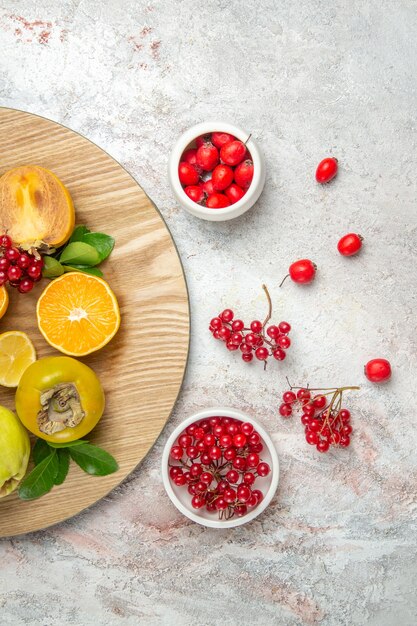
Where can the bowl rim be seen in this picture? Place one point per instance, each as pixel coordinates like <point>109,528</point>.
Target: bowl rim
<point>221,412</point>
<point>255,187</point>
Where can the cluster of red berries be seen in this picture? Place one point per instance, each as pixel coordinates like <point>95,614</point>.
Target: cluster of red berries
<point>257,340</point>
<point>218,461</point>
<point>325,422</point>
<point>218,172</point>
<point>18,268</point>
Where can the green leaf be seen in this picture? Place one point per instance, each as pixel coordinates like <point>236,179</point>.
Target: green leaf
<point>63,467</point>
<point>40,451</point>
<point>104,244</point>
<point>94,460</point>
<point>52,268</point>
<point>79,253</point>
<point>83,268</point>
<point>41,479</point>
<point>69,444</point>
<point>78,233</point>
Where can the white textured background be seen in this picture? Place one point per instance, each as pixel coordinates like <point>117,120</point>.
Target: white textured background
<point>308,79</point>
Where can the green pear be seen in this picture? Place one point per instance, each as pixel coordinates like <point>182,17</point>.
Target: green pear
<point>14,451</point>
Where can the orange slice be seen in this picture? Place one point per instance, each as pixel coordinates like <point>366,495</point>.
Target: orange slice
<point>35,207</point>
<point>4,301</point>
<point>78,313</point>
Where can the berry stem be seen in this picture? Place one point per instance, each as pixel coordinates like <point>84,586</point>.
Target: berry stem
<point>283,280</point>
<point>268,317</point>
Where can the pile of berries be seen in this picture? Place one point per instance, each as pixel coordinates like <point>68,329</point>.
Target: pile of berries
<point>18,268</point>
<point>258,339</point>
<point>325,422</point>
<point>217,460</point>
<point>218,172</point>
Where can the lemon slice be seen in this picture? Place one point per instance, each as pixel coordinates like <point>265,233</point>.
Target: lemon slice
<point>16,354</point>
<point>4,301</point>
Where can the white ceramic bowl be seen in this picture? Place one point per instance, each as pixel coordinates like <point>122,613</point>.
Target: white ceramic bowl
<point>182,499</point>
<point>187,140</point>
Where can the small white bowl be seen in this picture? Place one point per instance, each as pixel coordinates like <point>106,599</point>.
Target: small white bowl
<point>182,499</point>
<point>187,140</point>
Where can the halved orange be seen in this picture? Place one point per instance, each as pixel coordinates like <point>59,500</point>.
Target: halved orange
<point>4,301</point>
<point>78,313</point>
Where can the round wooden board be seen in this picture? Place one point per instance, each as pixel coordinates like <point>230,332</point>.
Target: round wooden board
<point>142,368</point>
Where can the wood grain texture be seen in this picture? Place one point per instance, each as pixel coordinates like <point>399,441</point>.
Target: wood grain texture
<point>140,388</point>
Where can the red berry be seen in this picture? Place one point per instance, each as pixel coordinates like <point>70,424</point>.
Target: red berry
<point>5,241</point>
<point>247,357</point>
<point>195,193</point>
<point>312,438</point>
<point>197,501</point>
<point>285,410</point>
<point>25,285</point>
<point>262,354</point>
<point>279,354</point>
<point>244,174</point>
<point>12,254</point>
<point>200,141</point>
<point>256,326</point>
<point>232,476</point>
<point>284,327</point>
<point>234,193</point>
<point>237,326</point>
<point>344,441</point>
<point>206,478</point>
<point>187,174</point>
<point>216,323</point>
<point>377,370</point>
<point>222,177</point>
<point>14,273</point>
<point>239,440</point>
<point>314,425</point>
<point>221,504</point>
<point>243,493</point>
<point>319,402</point>
<point>190,156</point>
<point>192,452</point>
<point>303,394</point>
<point>350,244</point>
<point>246,428</point>
<point>241,510</point>
<point>3,277</point>
<point>252,460</point>
<point>253,501</point>
<point>309,409</point>
<point>208,188</point>
<point>225,441</point>
<point>207,156</point>
<point>176,452</point>
<point>263,469</point>
<point>233,153</point>
<point>272,331</point>
<point>230,454</point>
<point>326,170</point>
<point>224,333</point>
<point>289,397</point>
<point>180,480</point>
<point>227,315</point>
<point>344,415</point>
<point>249,478</point>
<point>221,139</point>
<point>302,271</point>
<point>259,495</point>
<point>209,439</point>
<point>217,201</point>
<point>239,463</point>
<point>229,495</point>
<point>214,452</point>
<point>284,342</point>
<point>4,264</point>
<point>323,445</point>
<point>23,261</point>
<point>346,430</point>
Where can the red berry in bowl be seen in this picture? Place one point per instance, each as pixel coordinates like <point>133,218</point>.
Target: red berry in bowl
<point>207,187</point>
<point>190,156</point>
<point>207,156</point>
<point>244,174</point>
<point>195,193</point>
<point>378,370</point>
<point>326,170</point>
<point>221,139</point>
<point>187,174</point>
<point>217,201</point>
<point>233,153</point>
<point>222,177</point>
<point>200,141</point>
<point>350,244</point>
<point>234,193</point>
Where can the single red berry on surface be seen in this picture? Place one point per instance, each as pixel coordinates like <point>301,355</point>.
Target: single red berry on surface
<point>187,174</point>
<point>319,402</point>
<point>263,469</point>
<point>5,241</point>
<point>14,273</point>
<point>312,438</point>
<point>233,153</point>
<point>326,170</point>
<point>284,342</point>
<point>195,193</point>
<point>323,445</point>
<point>244,174</point>
<point>234,193</point>
<point>190,156</point>
<point>222,177</point>
<point>232,476</point>
<point>279,354</point>
<point>221,139</point>
<point>350,244</point>
<point>256,326</point>
<point>262,354</point>
<point>177,452</point>
<point>289,397</point>
<point>217,201</point>
<point>207,187</point>
<point>378,370</point>
<point>207,156</point>
<point>302,271</point>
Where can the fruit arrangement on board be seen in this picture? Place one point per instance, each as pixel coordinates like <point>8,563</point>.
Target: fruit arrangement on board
<point>58,399</point>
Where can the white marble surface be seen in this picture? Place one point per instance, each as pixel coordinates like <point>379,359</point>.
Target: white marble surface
<point>310,78</point>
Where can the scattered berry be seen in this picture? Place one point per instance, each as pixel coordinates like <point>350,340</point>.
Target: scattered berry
<point>326,170</point>
<point>378,370</point>
<point>350,244</point>
<point>302,272</point>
